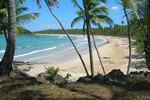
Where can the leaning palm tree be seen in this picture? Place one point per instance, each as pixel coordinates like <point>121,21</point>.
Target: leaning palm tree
<point>125,4</point>
<point>129,33</point>
<point>97,15</point>
<point>6,64</point>
<point>50,3</point>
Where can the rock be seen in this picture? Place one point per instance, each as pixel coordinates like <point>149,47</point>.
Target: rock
<point>84,79</point>
<point>43,78</point>
<point>133,74</point>
<point>147,74</point>
<point>26,69</point>
<point>59,80</point>
<point>0,86</point>
<point>44,75</point>
<point>1,81</point>
<point>116,77</point>
<point>30,67</point>
<point>141,74</point>
<point>98,77</point>
<point>148,77</point>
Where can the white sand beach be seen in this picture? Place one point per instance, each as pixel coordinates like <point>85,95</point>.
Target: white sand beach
<point>114,55</point>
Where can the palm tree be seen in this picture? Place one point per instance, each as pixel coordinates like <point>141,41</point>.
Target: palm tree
<point>20,18</point>
<point>141,9</point>
<point>88,36</point>
<point>129,37</point>
<point>97,15</point>
<point>50,3</point>
<point>6,64</point>
<point>126,5</point>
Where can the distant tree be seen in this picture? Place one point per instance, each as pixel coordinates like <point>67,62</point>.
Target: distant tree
<point>50,3</point>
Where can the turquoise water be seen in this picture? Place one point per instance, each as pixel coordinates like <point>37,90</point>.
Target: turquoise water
<point>29,48</point>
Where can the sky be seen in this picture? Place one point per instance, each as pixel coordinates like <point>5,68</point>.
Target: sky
<point>65,13</point>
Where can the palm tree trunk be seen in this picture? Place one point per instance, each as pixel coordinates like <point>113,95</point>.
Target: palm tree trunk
<point>7,60</point>
<point>129,38</point>
<point>98,54</point>
<point>5,34</point>
<point>69,38</point>
<point>89,39</point>
<point>147,40</point>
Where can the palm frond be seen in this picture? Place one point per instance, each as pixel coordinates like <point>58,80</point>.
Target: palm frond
<point>4,11</point>
<point>76,20</point>
<point>18,2</point>
<point>26,18</point>
<point>76,4</point>
<point>103,1</point>
<point>80,12</point>
<point>133,5</point>
<point>105,18</point>
<point>20,10</point>
<point>22,30</point>
<point>99,10</point>
<point>38,3</point>
<point>53,3</point>
<point>95,21</point>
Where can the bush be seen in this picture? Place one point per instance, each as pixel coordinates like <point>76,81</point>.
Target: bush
<point>52,71</point>
<point>67,76</point>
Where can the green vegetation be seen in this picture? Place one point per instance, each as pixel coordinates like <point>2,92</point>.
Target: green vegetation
<point>21,19</point>
<point>10,20</point>
<point>25,88</point>
<point>67,76</point>
<point>113,30</point>
<point>51,3</point>
<point>20,87</point>
<point>52,71</point>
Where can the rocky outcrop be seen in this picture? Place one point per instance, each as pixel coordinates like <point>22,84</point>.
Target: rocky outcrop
<point>117,77</point>
<point>46,78</point>
<point>59,80</point>
<point>99,78</point>
<point>84,79</point>
<point>140,76</point>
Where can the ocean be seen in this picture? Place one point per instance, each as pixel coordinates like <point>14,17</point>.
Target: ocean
<point>30,48</point>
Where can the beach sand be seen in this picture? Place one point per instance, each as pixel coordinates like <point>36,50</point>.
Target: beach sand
<point>114,55</point>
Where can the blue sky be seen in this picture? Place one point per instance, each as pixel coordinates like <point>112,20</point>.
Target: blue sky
<point>66,13</point>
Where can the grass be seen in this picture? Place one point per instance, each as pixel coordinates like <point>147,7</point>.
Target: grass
<point>21,87</point>
<point>24,88</point>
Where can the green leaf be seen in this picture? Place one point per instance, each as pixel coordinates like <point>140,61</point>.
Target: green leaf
<point>22,30</point>
<point>25,18</point>
<point>76,20</point>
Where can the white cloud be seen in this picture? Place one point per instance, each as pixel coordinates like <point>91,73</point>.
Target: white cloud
<point>115,8</point>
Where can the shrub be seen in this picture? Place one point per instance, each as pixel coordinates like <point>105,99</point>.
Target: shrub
<point>52,71</point>
<point>67,76</point>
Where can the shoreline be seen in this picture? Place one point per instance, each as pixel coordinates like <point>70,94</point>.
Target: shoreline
<point>114,55</point>
<point>64,56</point>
